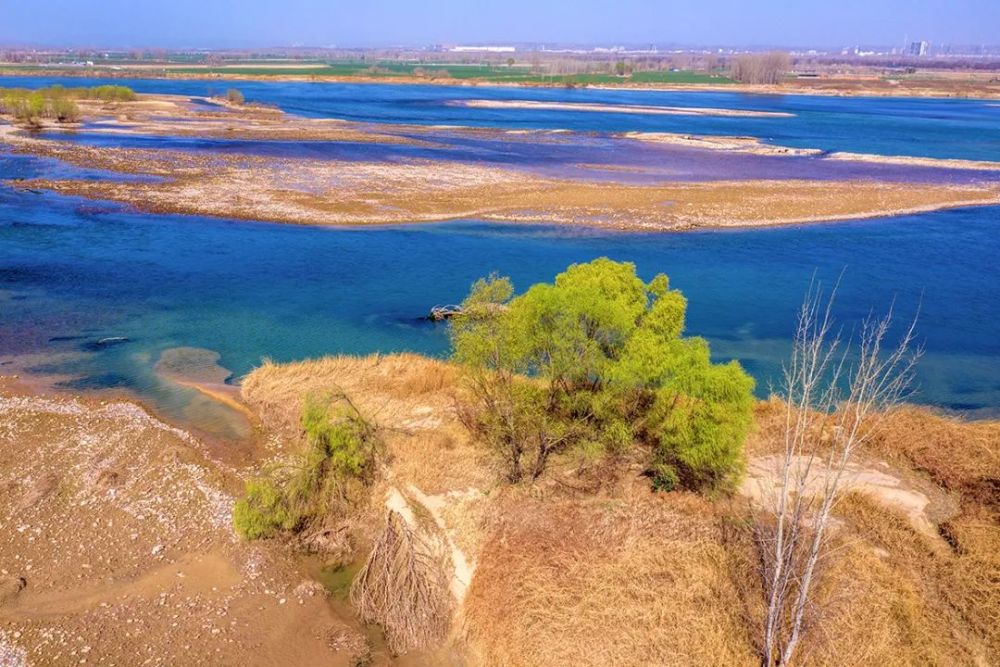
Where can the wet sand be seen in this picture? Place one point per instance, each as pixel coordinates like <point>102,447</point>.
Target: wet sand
<point>118,549</point>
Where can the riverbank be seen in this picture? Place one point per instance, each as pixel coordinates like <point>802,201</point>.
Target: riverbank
<point>966,87</point>
<point>118,548</point>
<point>121,537</point>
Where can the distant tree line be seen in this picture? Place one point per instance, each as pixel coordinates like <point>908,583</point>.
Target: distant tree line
<point>760,68</point>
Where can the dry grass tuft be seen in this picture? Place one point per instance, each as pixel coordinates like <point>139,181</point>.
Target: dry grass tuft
<point>598,582</point>
<point>380,384</point>
<point>962,456</point>
<point>411,397</point>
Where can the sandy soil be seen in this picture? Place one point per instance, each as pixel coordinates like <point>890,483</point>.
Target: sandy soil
<point>193,116</point>
<point>733,144</point>
<point>117,548</point>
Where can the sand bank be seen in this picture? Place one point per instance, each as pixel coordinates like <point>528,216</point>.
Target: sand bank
<point>751,145</point>
<point>619,108</point>
<point>305,190</point>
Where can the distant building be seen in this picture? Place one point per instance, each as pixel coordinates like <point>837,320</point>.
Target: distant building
<point>919,48</point>
<point>483,49</point>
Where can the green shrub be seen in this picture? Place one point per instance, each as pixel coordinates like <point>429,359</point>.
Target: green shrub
<point>335,468</point>
<point>599,355</point>
<point>109,93</point>
<point>665,477</point>
<point>56,101</point>
<point>65,110</point>
<point>261,512</point>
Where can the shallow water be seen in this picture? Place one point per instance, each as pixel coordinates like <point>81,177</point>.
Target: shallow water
<point>72,273</point>
<point>949,128</point>
<point>574,155</point>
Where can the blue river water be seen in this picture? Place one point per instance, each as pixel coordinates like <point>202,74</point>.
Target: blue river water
<point>942,128</point>
<point>74,272</point>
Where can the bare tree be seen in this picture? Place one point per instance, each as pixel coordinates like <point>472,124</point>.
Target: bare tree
<point>835,401</point>
<point>760,68</point>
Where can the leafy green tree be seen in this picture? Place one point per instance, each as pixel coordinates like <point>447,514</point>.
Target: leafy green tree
<point>598,356</point>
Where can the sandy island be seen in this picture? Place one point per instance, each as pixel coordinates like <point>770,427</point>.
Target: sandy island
<point>305,190</point>
<point>619,108</point>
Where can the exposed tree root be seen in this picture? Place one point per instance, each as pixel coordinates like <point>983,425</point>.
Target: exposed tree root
<point>403,587</point>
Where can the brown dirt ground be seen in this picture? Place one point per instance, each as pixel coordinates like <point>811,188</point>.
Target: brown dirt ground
<point>119,527</point>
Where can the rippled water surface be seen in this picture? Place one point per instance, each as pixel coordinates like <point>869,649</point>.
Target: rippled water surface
<point>72,273</point>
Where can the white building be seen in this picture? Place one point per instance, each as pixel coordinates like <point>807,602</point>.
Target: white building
<point>482,49</point>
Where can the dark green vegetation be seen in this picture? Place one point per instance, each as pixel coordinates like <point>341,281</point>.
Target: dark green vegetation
<point>597,361</point>
<point>338,463</point>
<point>489,73</point>
<point>56,102</point>
<point>596,74</point>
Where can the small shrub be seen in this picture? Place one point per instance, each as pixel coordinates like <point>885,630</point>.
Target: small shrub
<point>65,110</point>
<point>234,96</point>
<point>334,470</point>
<point>665,477</point>
<point>261,512</point>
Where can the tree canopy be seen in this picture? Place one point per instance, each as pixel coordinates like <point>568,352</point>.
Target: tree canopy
<point>598,357</point>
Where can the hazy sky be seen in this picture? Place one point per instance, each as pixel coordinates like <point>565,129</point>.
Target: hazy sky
<point>238,23</point>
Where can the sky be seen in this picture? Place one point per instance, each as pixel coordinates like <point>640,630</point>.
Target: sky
<point>260,23</point>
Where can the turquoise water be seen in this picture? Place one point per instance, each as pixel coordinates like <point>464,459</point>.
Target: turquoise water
<point>968,129</point>
<point>72,273</point>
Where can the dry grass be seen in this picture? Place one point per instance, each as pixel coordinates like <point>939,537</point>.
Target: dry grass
<point>403,587</point>
<point>601,583</point>
<point>410,396</point>
<point>893,595</point>
<point>912,600</point>
<point>376,383</point>
<point>959,455</point>
<point>636,579</point>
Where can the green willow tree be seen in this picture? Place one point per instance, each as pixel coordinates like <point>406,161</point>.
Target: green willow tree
<point>598,359</point>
